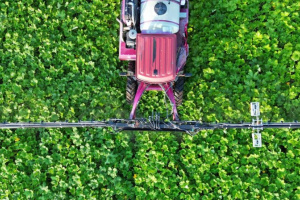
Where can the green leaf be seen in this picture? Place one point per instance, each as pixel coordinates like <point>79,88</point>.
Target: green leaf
<point>28,193</point>
<point>296,56</point>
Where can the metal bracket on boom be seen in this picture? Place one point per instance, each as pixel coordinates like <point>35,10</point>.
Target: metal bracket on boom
<point>257,124</point>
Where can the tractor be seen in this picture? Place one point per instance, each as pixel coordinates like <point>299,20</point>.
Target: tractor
<point>153,39</point>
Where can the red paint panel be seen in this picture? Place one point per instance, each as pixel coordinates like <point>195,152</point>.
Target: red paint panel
<point>125,53</point>
<point>156,58</point>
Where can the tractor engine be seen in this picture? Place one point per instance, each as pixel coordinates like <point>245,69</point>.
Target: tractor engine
<point>130,19</point>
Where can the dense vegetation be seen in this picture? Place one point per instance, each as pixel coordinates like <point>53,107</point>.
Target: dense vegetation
<point>59,60</point>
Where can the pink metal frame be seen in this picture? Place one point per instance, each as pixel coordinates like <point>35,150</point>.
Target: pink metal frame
<point>174,1</point>
<point>130,54</point>
<point>166,87</point>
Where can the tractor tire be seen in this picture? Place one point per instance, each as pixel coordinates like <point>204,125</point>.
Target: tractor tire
<point>178,90</point>
<point>131,85</point>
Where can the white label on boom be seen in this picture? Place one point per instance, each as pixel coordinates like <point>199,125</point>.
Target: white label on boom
<point>256,139</point>
<point>255,112</point>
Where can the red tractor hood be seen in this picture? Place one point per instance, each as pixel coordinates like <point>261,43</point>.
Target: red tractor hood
<point>156,58</point>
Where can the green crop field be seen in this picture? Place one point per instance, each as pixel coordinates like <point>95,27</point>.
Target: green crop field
<point>59,61</point>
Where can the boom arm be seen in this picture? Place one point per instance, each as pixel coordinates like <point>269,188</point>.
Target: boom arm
<point>154,123</point>
<point>149,125</point>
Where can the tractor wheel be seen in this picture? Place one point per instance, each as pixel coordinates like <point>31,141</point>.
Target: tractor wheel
<point>131,85</point>
<point>178,90</point>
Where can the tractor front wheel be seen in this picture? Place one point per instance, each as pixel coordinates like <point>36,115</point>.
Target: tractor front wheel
<point>131,85</point>
<point>178,90</point>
